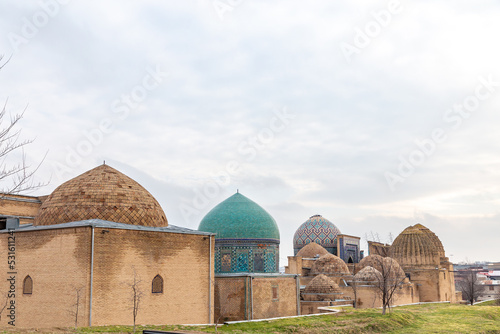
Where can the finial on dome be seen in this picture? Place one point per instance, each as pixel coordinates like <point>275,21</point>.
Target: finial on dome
<point>237,191</point>
<point>104,162</point>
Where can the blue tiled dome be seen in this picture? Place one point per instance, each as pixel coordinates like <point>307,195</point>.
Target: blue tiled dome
<point>319,230</point>
<point>239,217</point>
<point>247,237</point>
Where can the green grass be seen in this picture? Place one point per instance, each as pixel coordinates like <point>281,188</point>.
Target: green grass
<point>429,318</point>
<point>489,303</point>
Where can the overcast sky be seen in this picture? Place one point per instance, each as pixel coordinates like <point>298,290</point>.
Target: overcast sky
<point>375,114</point>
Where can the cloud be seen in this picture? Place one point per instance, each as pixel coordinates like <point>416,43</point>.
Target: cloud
<point>228,77</point>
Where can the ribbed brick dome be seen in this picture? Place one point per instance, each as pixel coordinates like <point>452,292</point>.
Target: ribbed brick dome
<point>322,284</point>
<point>368,274</point>
<point>312,250</point>
<point>433,237</point>
<point>381,264</point>
<point>369,261</point>
<point>415,246</point>
<point>329,264</point>
<point>101,193</point>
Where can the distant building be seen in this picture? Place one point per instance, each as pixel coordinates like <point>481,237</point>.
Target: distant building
<point>494,275</point>
<point>416,253</point>
<point>491,290</point>
<point>494,266</point>
<point>324,233</point>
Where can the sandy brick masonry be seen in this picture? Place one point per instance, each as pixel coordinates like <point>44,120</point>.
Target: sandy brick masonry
<point>246,296</point>
<point>181,259</point>
<point>101,193</point>
<point>58,260</point>
<point>25,207</point>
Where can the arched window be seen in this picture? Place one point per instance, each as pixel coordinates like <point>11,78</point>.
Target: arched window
<point>157,286</point>
<point>27,285</point>
<point>275,293</point>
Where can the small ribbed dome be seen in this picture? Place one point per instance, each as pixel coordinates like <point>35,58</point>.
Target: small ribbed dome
<point>329,264</point>
<point>373,261</point>
<point>319,230</point>
<point>238,217</point>
<point>382,265</point>
<point>393,267</point>
<point>312,250</point>
<point>415,247</point>
<point>101,193</point>
<point>368,274</point>
<point>322,284</point>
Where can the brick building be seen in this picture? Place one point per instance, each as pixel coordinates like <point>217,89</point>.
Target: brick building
<point>416,258</point>
<point>248,284</point>
<point>90,242</point>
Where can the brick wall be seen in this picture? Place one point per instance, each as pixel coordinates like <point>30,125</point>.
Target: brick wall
<point>369,296</point>
<point>265,305</point>
<point>232,301</point>
<point>182,260</point>
<point>21,206</point>
<point>271,297</point>
<point>58,261</point>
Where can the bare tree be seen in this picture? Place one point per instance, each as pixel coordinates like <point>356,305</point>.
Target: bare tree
<point>19,176</point>
<point>76,306</point>
<point>354,287</point>
<point>388,282</point>
<point>136,296</point>
<point>220,307</point>
<point>470,286</point>
<point>372,237</point>
<point>4,305</point>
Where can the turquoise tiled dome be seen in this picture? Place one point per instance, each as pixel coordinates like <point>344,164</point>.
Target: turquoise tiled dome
<point>247,237</point>
<point>238,217</point>
<point>319,230</point>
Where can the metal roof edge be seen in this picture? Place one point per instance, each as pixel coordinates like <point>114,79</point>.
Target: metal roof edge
<point>111,225</point>
<point>221,275</point>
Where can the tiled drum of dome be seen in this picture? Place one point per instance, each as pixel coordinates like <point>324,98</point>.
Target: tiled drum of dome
<point>270,264</point>
<point>242,262</point>
<point>319,230</point>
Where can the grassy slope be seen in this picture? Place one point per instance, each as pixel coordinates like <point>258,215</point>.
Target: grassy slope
<point>488,303</point>
<point>431,318</point>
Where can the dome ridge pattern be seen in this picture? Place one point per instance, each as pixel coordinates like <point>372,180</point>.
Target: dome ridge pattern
<point>101,193</point>
<point>312,250</point>
<point>368,273</point>
<point>373,261</point>
<point>322,284</point>
<point>382,264</point>
<point>433,237</point>
<point>416,246</point>
<point>329,264</point>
